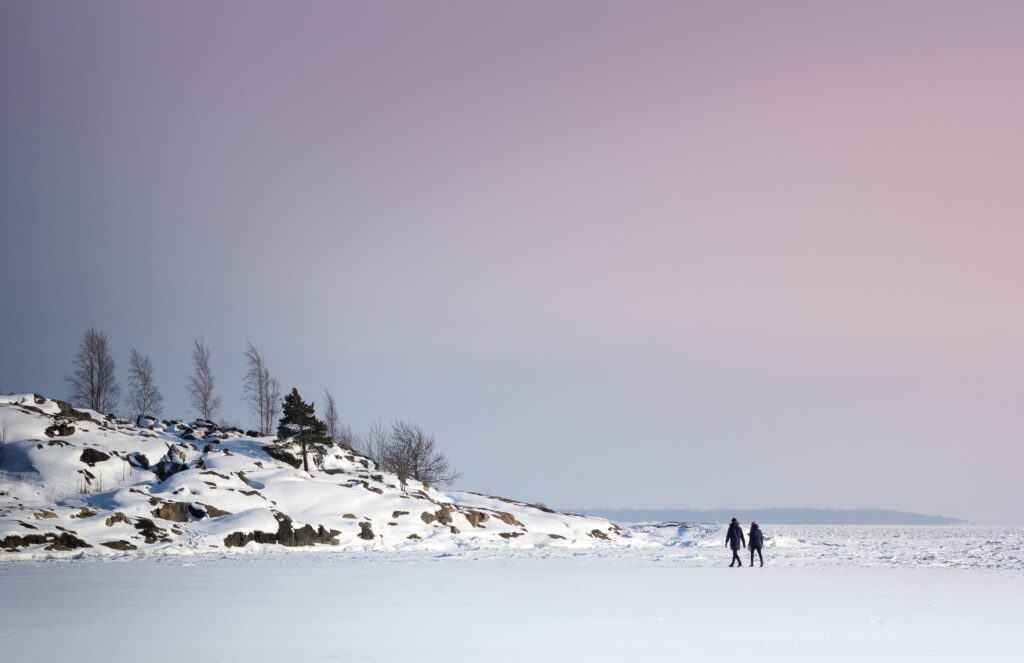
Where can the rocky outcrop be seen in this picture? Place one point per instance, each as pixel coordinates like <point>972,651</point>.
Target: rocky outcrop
<point>121,545</point>
<point>286,535</point>
<point>92,456</point>
<point>135,459</point>
<point>507,518</point>
<point>442,516</point>
<point>150,532</point>
<point>59,428</point>
<point>475,518</point>
<point>118,517</point>
<point>214,512</point>
<point>277,453</point>
<point>177,512</point>
<point>172,463</point>
<point>60,542</point>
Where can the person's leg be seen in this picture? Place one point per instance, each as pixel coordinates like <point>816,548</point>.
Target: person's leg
<point>758,556</point>
<point>752,556</point>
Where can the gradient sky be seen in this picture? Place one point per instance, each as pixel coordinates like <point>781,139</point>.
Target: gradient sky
<point>629,254</point>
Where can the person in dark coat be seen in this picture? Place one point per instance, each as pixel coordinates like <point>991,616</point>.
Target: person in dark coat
<point>756,539</point>
<point>734,539</point>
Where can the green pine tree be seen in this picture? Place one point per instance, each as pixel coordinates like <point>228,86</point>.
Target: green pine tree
<point>300,423</point>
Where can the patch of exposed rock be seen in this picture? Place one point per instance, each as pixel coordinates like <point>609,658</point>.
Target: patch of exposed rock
<point>286,535</point>
<point>92,456</point>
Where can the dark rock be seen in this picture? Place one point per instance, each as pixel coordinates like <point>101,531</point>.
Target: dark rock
<point>177,512</point>
<point>84,513</point>
<point>170,464</point>
<point>443,516</point>
<point>214,512</point>
<point>598,534</point>
<point>62,541</point>
<point>252,433</point>
<point>475,518</point>
<point>92,456</point>
<point>119,545</point>
<point>67,541</point>
<point>14,541</point>
<point>509,535</point>
<point>150,531</point>
<point>286,535</point>
<point>118,517</point>
<point>365,532</point>
<point>59,428</point>
<point>277,453</point>
<point>556,536</point>
<point>413,536</point>
<point>138,460</point>
<point>143,421</point>
<point>507,518</point>
<point>69,412</point>
<point>395,514</point>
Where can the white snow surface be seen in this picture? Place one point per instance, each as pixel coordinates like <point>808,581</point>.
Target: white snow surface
<point>599,604</point>
<point>639,592</point>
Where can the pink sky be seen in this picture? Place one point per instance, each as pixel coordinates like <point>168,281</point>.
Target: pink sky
<point>779,241</point>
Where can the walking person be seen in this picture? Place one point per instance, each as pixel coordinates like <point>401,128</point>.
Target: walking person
<point>734,539</point>
<point>756,539</point>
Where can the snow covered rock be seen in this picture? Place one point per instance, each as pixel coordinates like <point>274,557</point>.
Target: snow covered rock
<point>76,482</point>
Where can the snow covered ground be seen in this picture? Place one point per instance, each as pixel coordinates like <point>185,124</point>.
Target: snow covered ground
<point>173,541</point>
<point>604,604</point>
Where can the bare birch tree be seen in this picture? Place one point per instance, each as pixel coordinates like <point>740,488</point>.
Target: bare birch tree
<point>143,396</point>
<point>339,433</point>
<point>200,383</point>
<point>261,391</point>
<point>375,443</point>
<point>93,383</point>
<point>411,453</point>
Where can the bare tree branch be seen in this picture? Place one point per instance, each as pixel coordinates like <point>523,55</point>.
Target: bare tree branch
<point>339,433</point>
<point>200,383</point>
<point>261,391</point>
<point>409,452</point>
<point>144,398</point>
<point>93,383</point>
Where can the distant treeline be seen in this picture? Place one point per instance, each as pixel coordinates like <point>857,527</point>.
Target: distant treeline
<point>774,516</point>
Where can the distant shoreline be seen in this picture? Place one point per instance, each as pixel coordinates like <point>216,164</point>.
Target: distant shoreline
<point>777,516</point>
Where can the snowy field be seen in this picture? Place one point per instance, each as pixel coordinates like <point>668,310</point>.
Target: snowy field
<point>826,593</point>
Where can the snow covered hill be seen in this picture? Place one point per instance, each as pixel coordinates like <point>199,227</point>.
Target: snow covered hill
<point>74,482</point>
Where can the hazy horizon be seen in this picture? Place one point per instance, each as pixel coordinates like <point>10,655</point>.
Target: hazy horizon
<point>642,254</point>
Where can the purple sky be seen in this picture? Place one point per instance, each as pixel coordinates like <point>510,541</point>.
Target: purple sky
<point>611,254</point>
